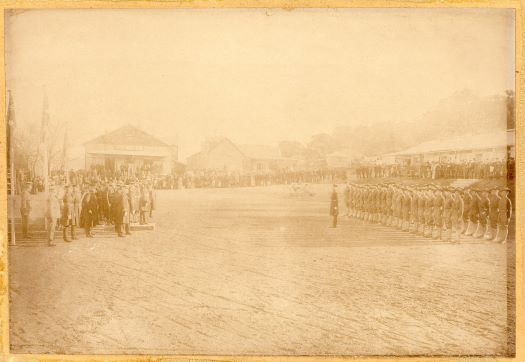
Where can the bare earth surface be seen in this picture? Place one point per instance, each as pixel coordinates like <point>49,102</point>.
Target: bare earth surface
<point>257,271</point>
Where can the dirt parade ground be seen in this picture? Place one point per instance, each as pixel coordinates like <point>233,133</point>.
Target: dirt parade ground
<point>258,271</point>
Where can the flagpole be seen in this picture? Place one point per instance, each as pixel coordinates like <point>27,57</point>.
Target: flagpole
<point>11,123</point>
<point>45,125</point>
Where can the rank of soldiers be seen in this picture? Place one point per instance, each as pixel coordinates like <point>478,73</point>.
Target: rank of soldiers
<point>433,211</point>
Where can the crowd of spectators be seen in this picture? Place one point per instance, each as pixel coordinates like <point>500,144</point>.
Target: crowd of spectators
<point>219,179</point>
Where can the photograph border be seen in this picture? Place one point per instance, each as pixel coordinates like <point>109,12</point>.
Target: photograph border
<point>517,5</point>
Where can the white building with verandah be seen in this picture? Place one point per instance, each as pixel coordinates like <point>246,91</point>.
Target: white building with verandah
<point>131,149</point>
<point>488,146</point>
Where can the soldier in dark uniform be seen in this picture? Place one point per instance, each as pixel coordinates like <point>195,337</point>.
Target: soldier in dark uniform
<point>493,214</point>
<point>334,206</point>
<point>483,207</point>
<point>504,215</point>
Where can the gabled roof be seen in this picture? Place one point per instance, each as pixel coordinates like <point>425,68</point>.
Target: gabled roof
<point>128,136</point>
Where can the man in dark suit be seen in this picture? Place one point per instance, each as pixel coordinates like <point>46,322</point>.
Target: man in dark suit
<point>334,206</point>
<point>118,211</point>
<point>87,215</point>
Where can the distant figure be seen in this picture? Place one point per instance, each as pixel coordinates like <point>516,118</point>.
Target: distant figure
<point>334,206</point>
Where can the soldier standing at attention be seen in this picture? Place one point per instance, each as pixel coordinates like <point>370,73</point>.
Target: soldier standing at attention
<point>447,210</point>
<point>504,215</point>
<point>493,214</point>
<point>52,214</point>
<point>457,214</point>
<point>420,211</point>
<point>407,204</point>
<point>427,232</point>
<point>25,209</point>
<point>483,207</point>
<point>437,209</point>
<point>413,210</point>
<point>474,213</point>
<point>467,201</point>
<point>334,206</point>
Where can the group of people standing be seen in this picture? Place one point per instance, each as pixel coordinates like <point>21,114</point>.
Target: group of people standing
<point>91,204</point>
<point>429,210</point>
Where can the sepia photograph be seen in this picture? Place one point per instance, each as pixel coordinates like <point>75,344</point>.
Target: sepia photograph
<point>261,181</point>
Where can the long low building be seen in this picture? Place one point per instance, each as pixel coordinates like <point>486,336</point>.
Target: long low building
<point>129,148</point>
<point>476,147</point>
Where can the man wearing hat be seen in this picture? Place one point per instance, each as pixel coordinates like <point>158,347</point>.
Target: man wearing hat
<point>504,215</point>
<point>52,214</point>
<point>25,209</point>
<point>334,206</point>
<point>493,214</point>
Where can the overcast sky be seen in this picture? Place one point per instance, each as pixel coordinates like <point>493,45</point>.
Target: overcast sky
<point>256,76</point>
